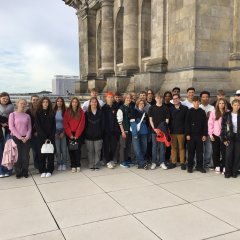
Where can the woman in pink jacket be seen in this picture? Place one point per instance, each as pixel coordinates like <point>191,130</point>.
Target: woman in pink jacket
<point>214,130</point>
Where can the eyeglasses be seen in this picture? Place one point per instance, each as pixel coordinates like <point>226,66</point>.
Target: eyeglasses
<point>149,93</point>
<point>175,98</point>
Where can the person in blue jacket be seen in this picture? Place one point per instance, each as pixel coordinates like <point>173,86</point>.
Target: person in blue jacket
<point>139,129</point>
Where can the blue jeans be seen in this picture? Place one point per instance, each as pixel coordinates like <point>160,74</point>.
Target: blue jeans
<point>61,150</point>
<point>158,151</point>
<point>140,148</point>
<point>207,153</point>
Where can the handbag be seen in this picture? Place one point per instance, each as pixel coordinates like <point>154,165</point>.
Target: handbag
<point>139,124</point>
<point>47,147</point>
<point>73,145</point>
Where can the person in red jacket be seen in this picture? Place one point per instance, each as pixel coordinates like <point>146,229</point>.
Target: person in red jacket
<point>74,123</point>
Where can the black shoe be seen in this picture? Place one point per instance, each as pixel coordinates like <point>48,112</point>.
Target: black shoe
<point>18,176</point>
<point>200,169</point>
<point>92,168</point>
<point>145,167</point>
<point>190,170</point>
<point>171,165</point>
<point>227,175</point>
<point>234,175</point>
<point>183,166</point>
<point>26,175</point>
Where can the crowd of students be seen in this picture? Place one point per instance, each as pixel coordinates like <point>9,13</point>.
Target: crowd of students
<point>161,130</point>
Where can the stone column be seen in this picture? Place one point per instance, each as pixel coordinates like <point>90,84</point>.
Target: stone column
<point>87,31</point>
<point>130,37</point>
<point>107,38</point>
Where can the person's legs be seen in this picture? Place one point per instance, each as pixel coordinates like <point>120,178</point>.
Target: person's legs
<point>25,157</point>
<point>19,163</point>
<point>137,151</point>
<point>91,153</point>
<point>229,158</point>
<point>162,152</point>
<point>199,152</point>
<point>35,151</point>
<point>216,151</point>
<point>114,140</point>
<point>207,153</point>
<point>236,159</point>
<point>143,147</point>
<point>122,150</point>
<point>64,150</point>
<point>97,155</point>
<point>191,152</point>
<point>42,163</point>
<point>174,148</point>
<point>181,147</point>
<point>154,149</point>
<point>106,147</point>
<point>58,150</point>
<point>50,163</point>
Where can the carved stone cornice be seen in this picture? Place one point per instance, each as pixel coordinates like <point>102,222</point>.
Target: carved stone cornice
<point>235,56</point>
<point>106,2</point>
<point>75,3</point>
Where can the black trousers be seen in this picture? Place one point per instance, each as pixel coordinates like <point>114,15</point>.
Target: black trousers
<point>232,163</point>
<point>219,152</point>
<point>109,146</point>
<point>22,164</point>
<point>75,155</point>
<point>195,145</point>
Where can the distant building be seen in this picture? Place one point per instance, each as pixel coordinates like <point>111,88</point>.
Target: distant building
<point>64,84</point>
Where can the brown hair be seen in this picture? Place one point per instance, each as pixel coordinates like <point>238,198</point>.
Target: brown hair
<point>74,114</point>
<point>89,106</point>
<point>49,109</point>
<point>140,100</point>
<point>63,105</point>
<point>218,113</point>
<point>5,94</point>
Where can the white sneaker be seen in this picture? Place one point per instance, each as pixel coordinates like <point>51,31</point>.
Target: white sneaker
<point>113,163</point>
<point>73,170</point>
<point>223,171</point>
<point>163,166</point>
<point>60,168</point>
<point>109,165</point>
<point>217,170</point>
<point>43,175</point>
<point>64,167</point>
<point>48,174</point>
<point>153,166</point>
<point>1,176</point>
<point>78,169</point>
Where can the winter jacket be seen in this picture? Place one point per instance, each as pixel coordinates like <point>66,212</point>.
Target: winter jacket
<point>227,133</point>
<point>123,116</point>
<point>10,154</point>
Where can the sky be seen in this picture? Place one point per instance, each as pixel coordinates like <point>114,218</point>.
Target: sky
<point>38,39</point>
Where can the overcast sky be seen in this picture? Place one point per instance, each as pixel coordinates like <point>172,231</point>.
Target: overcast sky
<point>38,39</point>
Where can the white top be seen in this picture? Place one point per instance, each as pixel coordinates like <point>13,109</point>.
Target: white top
<point>209,108</point>
<point>86,104</point>
<point>187,104</point>
<point>234,122</point>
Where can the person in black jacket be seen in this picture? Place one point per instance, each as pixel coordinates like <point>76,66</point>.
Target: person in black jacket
<point>230,135</point>
<point>94,127</point>
<point>111,131</point>
<point>178,114</point>
<point>45,125</point>
<point>196,131</point>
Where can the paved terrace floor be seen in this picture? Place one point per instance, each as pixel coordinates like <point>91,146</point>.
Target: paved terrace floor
<point>120,204</point>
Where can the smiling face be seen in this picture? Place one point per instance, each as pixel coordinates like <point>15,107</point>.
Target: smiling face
<point>59,103</point>
<point>235,107</point>
<point>190,94</point>
<point>4,100</point>
<point>221,105</point>
<point>93,103</point>
<point>34,101</point>
<point>75,104</point>
<point>176,100</point>
<point>128,99</point>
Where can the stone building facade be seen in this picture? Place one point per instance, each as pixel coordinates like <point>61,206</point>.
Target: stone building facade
<point>137,44</point>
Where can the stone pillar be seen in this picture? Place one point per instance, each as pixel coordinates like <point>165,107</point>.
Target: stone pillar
<point>107,38</point>
<point>87,30</point>
<point>130,37</point>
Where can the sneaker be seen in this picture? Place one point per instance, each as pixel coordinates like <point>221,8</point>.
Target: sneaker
<point>48,174</point>
<point>190,170</point>
<point>183,166</point>
<point>153,166</point>
<point>171,165</point>
<point>60,168</point>
<point>145,166</point>
<point>1,176</point>
<point>92,168</point>
<point>18,176</point>
<point>163,166</point>
<point>113,163</point>
<point>217,170</point>
<point>73,170</point>
<point>96,168</point>
<point>125,164</point>
<point>130,163</point>
<point>6,175</point>
<point>78,169</point>
<point>64,167</point>
<point>109,165</point>
<point>43,175</point>
<point>201,169</point>
<point>223,171</point>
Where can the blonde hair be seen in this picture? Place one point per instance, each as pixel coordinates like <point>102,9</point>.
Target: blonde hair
<point>140,100</point>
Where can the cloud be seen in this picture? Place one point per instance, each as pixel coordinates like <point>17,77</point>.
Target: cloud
<point>38,40</point>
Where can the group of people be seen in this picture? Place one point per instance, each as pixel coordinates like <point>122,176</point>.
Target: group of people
<point>161,130</point>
